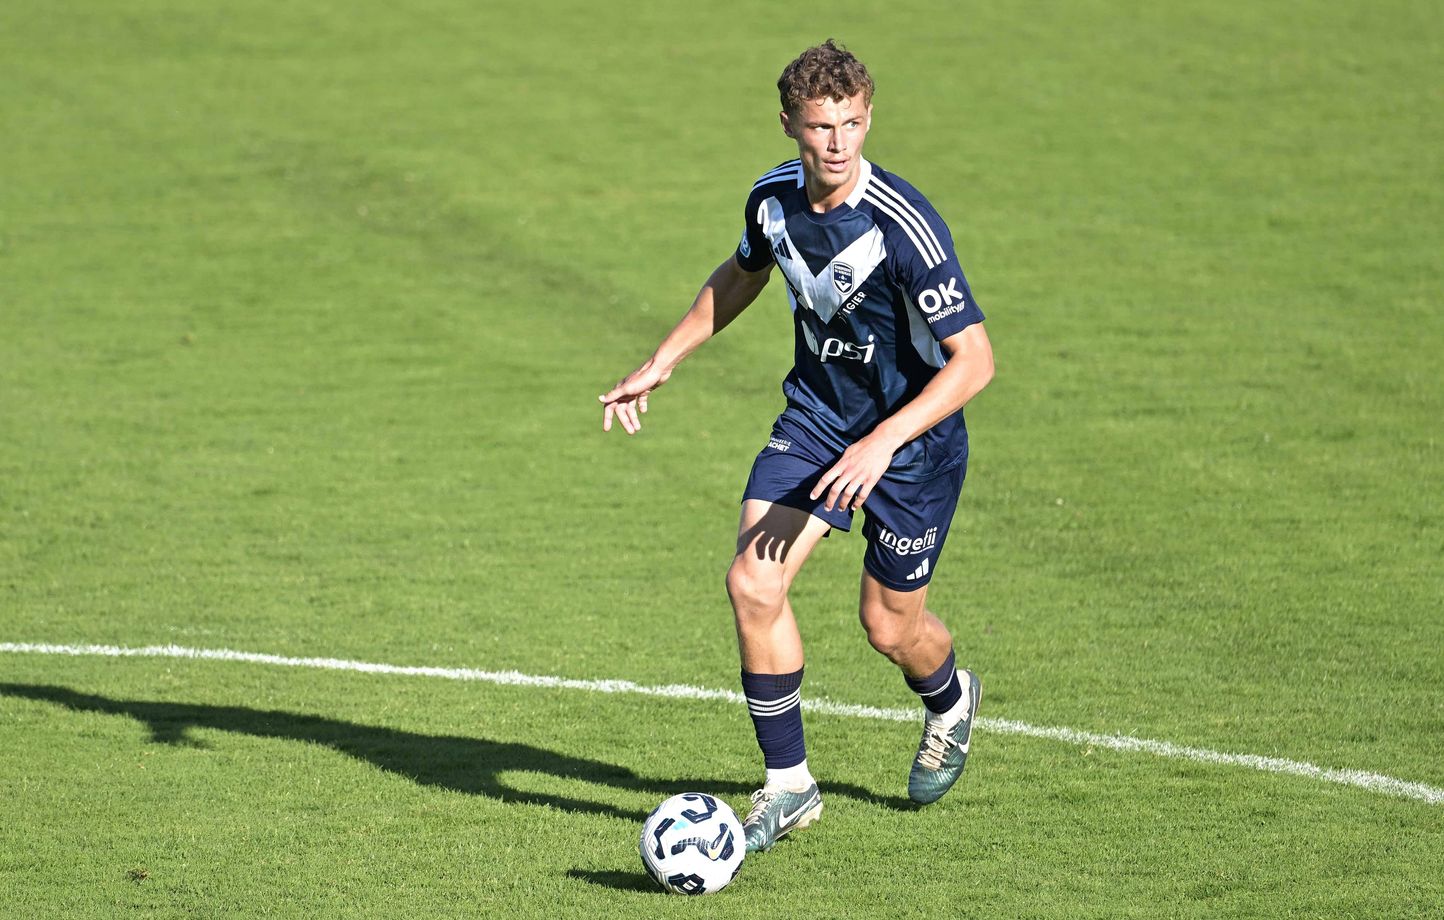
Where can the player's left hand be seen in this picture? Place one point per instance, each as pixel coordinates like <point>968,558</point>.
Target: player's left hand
<point>629,397</point>
<point>850,480</point>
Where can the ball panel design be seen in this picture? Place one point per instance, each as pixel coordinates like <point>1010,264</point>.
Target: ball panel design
<point>692,844</point>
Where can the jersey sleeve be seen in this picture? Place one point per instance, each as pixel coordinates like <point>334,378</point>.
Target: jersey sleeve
<point>926,267</point>
<point>753,251</point>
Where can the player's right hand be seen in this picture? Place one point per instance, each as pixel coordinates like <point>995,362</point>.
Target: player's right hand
<point>628,399</point>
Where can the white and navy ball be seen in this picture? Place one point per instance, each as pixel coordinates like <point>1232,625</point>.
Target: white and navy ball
<point>693,844</point>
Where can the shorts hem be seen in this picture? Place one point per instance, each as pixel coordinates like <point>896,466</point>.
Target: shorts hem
<point>888,582</point>
<point>811,508</point>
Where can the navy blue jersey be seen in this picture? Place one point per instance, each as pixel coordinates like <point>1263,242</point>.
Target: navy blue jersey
<point>874,286</point>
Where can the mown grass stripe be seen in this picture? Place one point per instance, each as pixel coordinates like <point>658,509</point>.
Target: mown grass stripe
<point>1361,779</point>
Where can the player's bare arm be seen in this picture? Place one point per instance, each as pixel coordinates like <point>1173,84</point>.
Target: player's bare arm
<point>969,368</point>
<point>727,292</point>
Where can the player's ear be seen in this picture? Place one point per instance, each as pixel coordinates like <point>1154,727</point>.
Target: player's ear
<point>786,124</point>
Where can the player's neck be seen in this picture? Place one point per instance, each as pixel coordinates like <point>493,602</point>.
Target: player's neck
<point>824,198</point>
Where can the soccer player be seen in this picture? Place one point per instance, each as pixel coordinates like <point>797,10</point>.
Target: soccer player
<point>889,347</point>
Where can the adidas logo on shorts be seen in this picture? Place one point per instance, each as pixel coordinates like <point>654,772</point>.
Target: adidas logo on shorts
<point>920,571</point>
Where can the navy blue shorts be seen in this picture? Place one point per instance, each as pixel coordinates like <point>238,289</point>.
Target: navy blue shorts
<point>905,523</point>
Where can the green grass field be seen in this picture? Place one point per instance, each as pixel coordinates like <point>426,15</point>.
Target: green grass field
<point>304,308</point>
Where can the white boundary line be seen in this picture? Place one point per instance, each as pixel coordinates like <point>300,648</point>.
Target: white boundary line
<point>1372,782</point>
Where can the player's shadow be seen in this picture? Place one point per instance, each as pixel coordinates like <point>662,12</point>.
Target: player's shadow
<point>774,534</point>
<point>471,765</point>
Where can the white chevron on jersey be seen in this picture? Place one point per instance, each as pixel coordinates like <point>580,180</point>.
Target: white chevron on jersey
<point>907,217</point>
<point>818,293</point>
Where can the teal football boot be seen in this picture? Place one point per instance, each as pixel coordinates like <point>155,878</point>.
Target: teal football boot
<point>778,812</point>
<point>943,752</point>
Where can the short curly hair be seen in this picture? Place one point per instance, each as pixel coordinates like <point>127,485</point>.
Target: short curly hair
<point>827,71</point>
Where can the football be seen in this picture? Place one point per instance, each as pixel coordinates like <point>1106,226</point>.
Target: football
<point>693,844</point>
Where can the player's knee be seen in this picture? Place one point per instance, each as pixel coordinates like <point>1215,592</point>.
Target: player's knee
<point>887,640</point>
<point>890,632</point>
<point>755,590</point>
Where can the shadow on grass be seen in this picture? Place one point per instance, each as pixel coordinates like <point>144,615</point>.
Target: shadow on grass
<point>470,765</point>
<point>617,881</point>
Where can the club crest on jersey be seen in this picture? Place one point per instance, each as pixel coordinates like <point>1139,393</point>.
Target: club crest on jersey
<point>842,277</point>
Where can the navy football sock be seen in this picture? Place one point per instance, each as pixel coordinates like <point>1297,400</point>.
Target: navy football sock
<point>941,690</point>
<point>775,703</point>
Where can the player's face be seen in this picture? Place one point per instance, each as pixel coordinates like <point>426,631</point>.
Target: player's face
<point>829,135</point>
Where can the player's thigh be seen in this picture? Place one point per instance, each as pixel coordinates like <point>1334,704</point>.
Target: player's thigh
<point>878,602</point>
<point>774,540</point>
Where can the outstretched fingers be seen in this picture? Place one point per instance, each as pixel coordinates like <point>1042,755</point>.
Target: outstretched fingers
<point>625,401</point>
<point>625,412</point>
